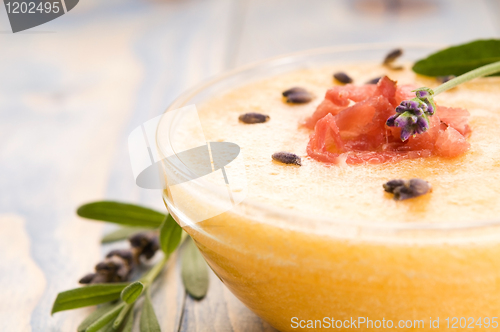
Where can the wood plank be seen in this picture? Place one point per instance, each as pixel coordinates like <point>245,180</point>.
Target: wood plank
<point>282,26</point>
<point>19,272</point>
<point>66,111</point>
<point>60,146</point>
<point>275,27</point>
<point>169,296</point>
<point>492,13</point>
<point>72,93</point>
<point>220,311</point>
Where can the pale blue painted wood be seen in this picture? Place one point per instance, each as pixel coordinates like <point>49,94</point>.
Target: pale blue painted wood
<point>49,108</point>
<point>493,7</point>
<point>281,26</point>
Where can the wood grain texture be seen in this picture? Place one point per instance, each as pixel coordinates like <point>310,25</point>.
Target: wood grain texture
<point>281,26</point>
<point>73,89</point>
<point>219,311</point>
<point>23,282</point>
<point>493,6</point>
<point>169,297</point>
<point>66,120</point>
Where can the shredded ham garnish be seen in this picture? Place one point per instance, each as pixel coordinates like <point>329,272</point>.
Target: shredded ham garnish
<point>358,134</point>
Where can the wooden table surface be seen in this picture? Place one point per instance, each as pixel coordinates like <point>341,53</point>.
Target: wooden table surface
<point>73,89</point>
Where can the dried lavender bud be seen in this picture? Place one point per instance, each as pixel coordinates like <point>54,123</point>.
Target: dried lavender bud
<point>293,90</point>
<point>105,266</point>
<point>393,184</point>
<point>139,240</point>
<point>444,79</point>
<point>392,56</point>
<point>299,98</point>
<point>253,118</point>
<point>123,269</point>
<point>125,254</point>
<point>406,189</point>
<point>87,279</point>
<point>342,78</point>
<point>373,80</point>
<point>287,158</point>
<point>144,244</point>
<point>297,95</point>
<point>114,268</point>
<point>150,250</point>
<point>118,264</point>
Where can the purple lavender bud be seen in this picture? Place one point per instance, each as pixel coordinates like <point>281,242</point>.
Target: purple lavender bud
<point>423,94</point>
<point>412,116</point>
<point>412,104</point>
<point>390,121</point>
<point>400,109</point>
<point>422,125</point>
<point>406,132</point>
<point>430,109</point>
<point>418,111</point>
<point>401,121</point>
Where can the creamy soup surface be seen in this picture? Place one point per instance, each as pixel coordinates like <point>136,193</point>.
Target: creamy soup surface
<point>465,188</point>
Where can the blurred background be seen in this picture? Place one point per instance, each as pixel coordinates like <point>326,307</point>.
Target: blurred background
<point>72,90</point>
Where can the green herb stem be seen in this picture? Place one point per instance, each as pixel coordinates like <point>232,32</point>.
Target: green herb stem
<point>105,319</point>
<point>148,279</point>
<point>478,72</point>
<point>122,315</point>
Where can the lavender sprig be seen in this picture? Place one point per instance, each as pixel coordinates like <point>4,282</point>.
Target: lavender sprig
<point>108,286</point>
<point>412,116</point>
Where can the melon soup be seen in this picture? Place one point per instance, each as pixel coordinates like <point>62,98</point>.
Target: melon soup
<point>321,243</point>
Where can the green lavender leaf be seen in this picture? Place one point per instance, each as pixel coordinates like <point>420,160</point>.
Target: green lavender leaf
<point>129,322</point>
<point>170,235</point>
<point>149,322</point>
<point>87,296</point>
<point>132,292</point>
<point>194,271</point>
<point>105,319</point>
<point>122,233</point>
<point>107,328</point>
<point>121,213</point>
<point>94,315</point>
<point>457,60</point>
<point>121,316</point>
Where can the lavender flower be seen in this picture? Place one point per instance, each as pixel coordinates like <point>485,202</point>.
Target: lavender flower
<point>426,95</point>
<point>412,116</point>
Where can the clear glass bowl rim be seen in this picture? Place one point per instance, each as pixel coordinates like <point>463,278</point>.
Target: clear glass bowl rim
<point>183,100</point>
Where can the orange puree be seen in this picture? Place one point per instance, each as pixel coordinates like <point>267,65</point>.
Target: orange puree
<point>316,240</point>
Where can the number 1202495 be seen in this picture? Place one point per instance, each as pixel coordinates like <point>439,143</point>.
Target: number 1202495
<point>24,7</point>
<point>471,322</point>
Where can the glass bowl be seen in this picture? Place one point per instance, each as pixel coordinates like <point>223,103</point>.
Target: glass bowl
<point>298,270</point>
